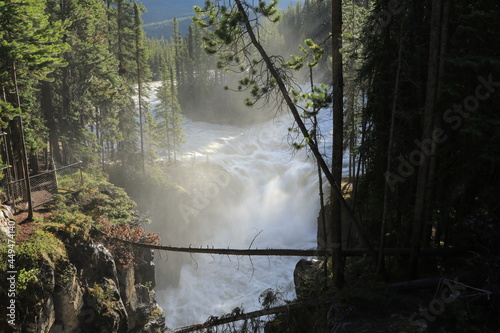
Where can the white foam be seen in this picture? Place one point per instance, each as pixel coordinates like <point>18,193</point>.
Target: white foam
<point>271,192</point>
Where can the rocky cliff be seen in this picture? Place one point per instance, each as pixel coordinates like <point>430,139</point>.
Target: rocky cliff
<point>84,289</point>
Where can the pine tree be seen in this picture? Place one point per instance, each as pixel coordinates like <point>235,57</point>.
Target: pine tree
<point>31,48</point>
<point>423,53</point>
<point>80,112</point>
<point>123,45</point>
<point>142,76</point>
<point>169,113</point>
<point>179,53</point>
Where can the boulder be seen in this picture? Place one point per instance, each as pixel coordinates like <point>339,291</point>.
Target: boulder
<point>308,277</point>
<point>94,262</point>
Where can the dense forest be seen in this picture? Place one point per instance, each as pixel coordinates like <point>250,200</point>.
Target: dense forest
<point>412,87</point>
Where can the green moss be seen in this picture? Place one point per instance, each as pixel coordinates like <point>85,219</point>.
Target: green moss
<point>69,225</point>
<point>74,215</point>
<point>43,245</point>
<point>99,198</point>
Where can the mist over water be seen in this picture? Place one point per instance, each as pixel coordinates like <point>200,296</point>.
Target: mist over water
<point>260,194</point>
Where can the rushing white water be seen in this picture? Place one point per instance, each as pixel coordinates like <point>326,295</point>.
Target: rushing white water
<point>267,199</point>
<point>271,200</point>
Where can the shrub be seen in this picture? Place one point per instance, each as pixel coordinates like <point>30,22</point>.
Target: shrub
<point>43,245</point>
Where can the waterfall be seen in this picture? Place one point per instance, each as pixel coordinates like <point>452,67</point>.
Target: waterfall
<point>260,194</point>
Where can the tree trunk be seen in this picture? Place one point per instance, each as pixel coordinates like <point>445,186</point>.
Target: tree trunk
<point>338,140</point>
<point>49,115</point>
<point>139,83</point>
<point>428,124</point>
<point>20,165</point>
<point>444,47</point>
<point>385,213</point>
<point>33,163</point>
<point>444,252</point>
<point>20,160</point>
<point>322,218</point>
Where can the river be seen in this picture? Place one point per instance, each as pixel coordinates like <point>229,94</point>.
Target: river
<point>264,195</point>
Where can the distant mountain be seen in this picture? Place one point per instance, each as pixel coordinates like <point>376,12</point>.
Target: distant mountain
<point>165,28</point>
<point>163,10</point>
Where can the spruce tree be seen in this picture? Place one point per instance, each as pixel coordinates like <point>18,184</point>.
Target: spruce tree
<point>142,76</point>
<point>168,112</point>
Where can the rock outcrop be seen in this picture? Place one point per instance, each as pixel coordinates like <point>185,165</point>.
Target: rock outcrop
<point>89,291</point>
<point>308,277</point>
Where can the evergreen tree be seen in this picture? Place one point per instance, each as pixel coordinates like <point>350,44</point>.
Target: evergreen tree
<point>157,49</point>
<point>122,43</point>
<point>30,49</point>
<point>126,42</point>
<point>168,114</point>
<point>142,76</point>
<point>179,53</point>
<point>80,110</point>
<point>430,137</point>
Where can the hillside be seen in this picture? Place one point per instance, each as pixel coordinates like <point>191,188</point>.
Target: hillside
<point>165,28</point>
<point>72,277</point>
<point>159,16</point>
<point>163,10</point>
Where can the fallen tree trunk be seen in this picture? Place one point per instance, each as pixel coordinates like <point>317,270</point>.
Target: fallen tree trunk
<point>291,252</point>
<point>216,321</point>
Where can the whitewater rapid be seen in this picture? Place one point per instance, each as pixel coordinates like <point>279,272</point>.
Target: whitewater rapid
<point>268,199</point>
<point>262,194</point>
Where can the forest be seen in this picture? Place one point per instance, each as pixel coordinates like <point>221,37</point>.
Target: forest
<point>411,87</point>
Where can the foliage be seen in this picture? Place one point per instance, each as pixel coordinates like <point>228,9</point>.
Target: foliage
<point>107,208</point>
<point>71,180</point>
<point>226,33</point>
<point>68,222</point>
<point>99,198</point>
<point>75,68</point>
<point>99,204</point>
<point>42,245</point>
<point>96,199</point>
<point>70,71</point>
<point>126,254</point>
<point>106,201</point>
<point>458,190</point>
<point>31,48</point>
<point>195,70</point>
<point>35,256</point>
<point>104,297</point>
<point>75,219</point>
<point>8,112</point>
<point>26,278</point>
<point>168,114</point>
<point>269,298</point>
